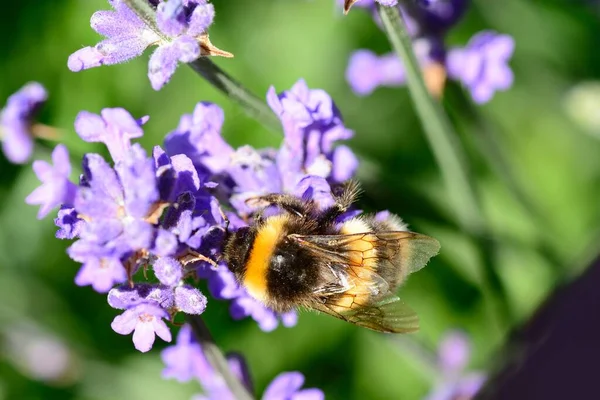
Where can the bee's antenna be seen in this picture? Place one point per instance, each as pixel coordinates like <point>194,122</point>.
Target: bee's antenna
<point>346,195</point>
<point>350,192</point>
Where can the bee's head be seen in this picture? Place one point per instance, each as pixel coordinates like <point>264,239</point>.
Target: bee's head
<point>237,249</point>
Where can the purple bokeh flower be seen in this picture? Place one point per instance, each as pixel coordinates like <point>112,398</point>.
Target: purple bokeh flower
<point>482,65</point>
<point>185,361</point>
<point>145,321</point>
<point>287,385</point>
<point>179,33</point>
<point>16,120</point>
<point>56,188</point>
<point>453,355</point>
<point>366,71</point>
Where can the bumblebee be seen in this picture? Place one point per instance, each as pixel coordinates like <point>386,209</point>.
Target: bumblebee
<point>303,258</point>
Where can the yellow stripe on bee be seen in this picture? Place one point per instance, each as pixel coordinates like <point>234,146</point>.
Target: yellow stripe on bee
<point>257,266</point>
<point>362,252</point>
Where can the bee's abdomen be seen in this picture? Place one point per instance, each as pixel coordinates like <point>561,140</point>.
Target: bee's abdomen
<point>292,274</point>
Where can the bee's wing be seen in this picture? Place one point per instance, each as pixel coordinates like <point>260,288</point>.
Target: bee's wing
<point>386,314</point>
<point>406,251</point>
<point>355,292</point>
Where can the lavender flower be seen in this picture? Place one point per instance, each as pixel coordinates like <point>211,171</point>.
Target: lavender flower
<point>185,361</point>
<point>179,33</point>
<point>482,66</point>
<point>164,213</point>
<point>16,120</point>
<point>145,321</point>
<point>306,165</point>
<point>453,355</point>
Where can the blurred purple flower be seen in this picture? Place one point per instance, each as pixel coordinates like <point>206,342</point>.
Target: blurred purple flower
<point>366,71</point>
<point>16,119</point>
<point>56,188</point>
<point>453,355</point>
<point>482,65</point>
<point>287,385</point>
<point>185,360</point>
<point>181,37</point>
<point>145,321</point>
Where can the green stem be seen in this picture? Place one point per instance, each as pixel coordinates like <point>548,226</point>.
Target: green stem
<point>216,358</point>
<point>437,127</point>
<point>450,158</point>
<point>252,104</point>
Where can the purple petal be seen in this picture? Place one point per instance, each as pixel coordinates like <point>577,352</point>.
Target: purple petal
<point>125,323</point>
<point>163,61</point>
<point>170,17</point>
<point>16,119</point>
<point>344,163</point>
<point>143,337</point>
<point>289,319</point>
<point>187,48</point>
<point>88,57</point>
<point>69,223</point>
<point>315,188</point>
<point>362,72</point>
<point>184,360</point>
<point>165,244</point>
<point>190,300</point>
<point>239,367</point>
<point>308,394</point>
<point>101,273</point>
<point>168,271</point>
<point>56,188</point>
<point>202,17</point>
<point>17,145</point>
<point>283,386</point>
<point>138,177</point>
<point>454,351</point>
<point>161,329</point>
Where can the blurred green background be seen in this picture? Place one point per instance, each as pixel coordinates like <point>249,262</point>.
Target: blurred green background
<point>546,125</point>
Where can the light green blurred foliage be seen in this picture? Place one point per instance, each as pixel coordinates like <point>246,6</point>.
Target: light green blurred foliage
<point>276,42</point>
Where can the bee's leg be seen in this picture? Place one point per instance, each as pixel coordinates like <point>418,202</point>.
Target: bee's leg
<point>343,201</point>
<point>289,203</point>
